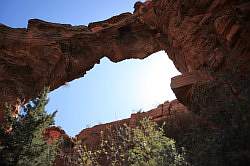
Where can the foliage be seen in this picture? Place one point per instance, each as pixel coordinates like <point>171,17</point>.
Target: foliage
<point>151,147</point>
<point>145,145</point>
<point>21,137</point>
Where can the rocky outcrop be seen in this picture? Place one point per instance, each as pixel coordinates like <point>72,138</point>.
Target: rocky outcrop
<point>54,133</point>
<point>182,84</point>
<point>66,145</point>
<point>207,40</point>
<point>164,112</point>
<point>173,112</point>
<point>207,35</point>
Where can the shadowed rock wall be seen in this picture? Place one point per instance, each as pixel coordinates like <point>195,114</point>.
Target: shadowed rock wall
<point>207,35</point>
<point>203,38</point>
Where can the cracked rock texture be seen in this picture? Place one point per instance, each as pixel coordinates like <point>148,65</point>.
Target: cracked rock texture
<point>163,112</point>
<point>198,35</point>
<point>204,38</point>
<point>172,111</point>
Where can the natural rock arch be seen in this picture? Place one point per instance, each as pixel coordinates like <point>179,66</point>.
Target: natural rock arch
<point>199,36</point>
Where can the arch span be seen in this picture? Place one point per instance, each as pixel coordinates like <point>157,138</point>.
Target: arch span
<point>208,35</point>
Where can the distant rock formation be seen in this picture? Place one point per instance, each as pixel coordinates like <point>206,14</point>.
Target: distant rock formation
<point>164,112</point>
<point>54,133</point>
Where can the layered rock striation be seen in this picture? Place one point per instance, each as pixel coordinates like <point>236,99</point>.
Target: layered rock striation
<point>207,40</point>
<point>172,111</point>
<point>167,110</point>
<point>204,36</point>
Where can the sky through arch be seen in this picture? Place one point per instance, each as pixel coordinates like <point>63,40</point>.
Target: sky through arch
<point>112,91</point>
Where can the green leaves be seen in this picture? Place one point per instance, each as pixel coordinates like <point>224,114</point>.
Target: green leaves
<point>152,148</point>
<point>145,145</point>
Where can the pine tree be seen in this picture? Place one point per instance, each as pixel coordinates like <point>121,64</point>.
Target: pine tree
<point>22,139</point>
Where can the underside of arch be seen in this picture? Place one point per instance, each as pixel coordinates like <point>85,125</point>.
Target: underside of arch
<point>201,37</point>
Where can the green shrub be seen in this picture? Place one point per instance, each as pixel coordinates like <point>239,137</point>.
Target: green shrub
<point>145,145</point>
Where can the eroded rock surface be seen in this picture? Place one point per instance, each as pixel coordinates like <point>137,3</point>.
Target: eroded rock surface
<point>168,111</point>
<point>49,54</point>
<point>209,36</point>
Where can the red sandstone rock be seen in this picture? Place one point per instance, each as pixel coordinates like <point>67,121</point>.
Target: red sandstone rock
<point>168,111</point>
<point>91,136</point>
<point>54,133</point>
<point>49,54</point>
<point>197,35</point>
<point>182,84</point>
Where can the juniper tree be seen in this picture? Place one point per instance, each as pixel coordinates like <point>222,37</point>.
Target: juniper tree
<point>22,140</point>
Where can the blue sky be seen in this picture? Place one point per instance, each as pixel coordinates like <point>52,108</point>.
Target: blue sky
<point>109,91</point>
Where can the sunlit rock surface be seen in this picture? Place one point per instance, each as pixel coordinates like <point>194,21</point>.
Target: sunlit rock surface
<point>197,35</point>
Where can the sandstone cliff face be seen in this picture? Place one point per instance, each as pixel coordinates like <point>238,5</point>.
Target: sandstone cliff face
<point>204,39</point>
<point>91,136</point>
<point>208,35</point>
<point>168,111</point>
